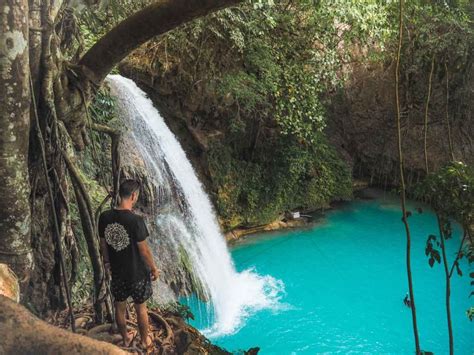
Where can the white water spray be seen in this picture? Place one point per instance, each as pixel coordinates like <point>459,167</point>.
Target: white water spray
<point>192,223</point>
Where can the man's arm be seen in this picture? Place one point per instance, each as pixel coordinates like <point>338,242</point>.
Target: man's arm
<point>105,256</point>
<point>147,256</point>
<point>104,251</point>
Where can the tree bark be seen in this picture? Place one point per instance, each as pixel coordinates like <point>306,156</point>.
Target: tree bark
<point>23,333</point>
<point>153,20</point>
<point>15,214</point>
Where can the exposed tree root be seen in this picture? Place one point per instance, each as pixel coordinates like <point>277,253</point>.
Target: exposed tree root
<point>90,233</point>
<point>169,333</point>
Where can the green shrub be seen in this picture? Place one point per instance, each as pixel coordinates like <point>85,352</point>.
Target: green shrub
<point>283,175</point>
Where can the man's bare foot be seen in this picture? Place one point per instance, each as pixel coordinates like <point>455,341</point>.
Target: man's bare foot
<point>148,343</point>
<point>128,339</point>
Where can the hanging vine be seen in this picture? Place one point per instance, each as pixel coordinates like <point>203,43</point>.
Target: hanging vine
<point>442,233</point>
<point>402,180</point>
<point>427,106</point>
<point>56,232</point>
<point>448,125</point>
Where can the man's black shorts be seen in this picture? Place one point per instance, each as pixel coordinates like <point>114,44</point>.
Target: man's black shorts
<point>140,290</point>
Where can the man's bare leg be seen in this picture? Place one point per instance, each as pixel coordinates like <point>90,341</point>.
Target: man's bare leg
<point>120,309</point>
<point>142,318</point>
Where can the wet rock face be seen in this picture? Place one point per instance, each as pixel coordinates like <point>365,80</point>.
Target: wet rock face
<point>9,286</point>
<point>175,280</point>
<point>362,124</point>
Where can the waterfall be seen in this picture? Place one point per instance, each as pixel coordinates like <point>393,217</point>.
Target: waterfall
<point>187,219</point>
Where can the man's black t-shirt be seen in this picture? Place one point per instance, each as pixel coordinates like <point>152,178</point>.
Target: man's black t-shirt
<point>122,229</point>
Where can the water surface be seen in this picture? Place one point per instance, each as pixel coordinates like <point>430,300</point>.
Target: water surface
<point>345,279</point>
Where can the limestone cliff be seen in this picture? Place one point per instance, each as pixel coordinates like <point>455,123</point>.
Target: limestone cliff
<point>362,122</point>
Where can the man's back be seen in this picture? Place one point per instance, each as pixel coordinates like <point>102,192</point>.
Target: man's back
<point>125,250</point>
<point>122,229</point>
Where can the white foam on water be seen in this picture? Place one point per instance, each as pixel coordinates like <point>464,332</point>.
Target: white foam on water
<point>233,296</point>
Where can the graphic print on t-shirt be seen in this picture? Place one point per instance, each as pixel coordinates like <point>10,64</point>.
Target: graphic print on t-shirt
<point>116,236</point>
<point>122,230</point>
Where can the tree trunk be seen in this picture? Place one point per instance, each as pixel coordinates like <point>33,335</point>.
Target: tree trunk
<point>153,20</point>
<point>15,245</point>
<point>23,333</point>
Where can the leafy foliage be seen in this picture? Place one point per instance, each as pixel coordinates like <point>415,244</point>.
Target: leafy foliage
<point>282,176</point>
<point>470,313</point>
<point>259,74</point>
<point>450,192</point>
<point>431,250</point>
<point>258,77</point>
<point>436,30</point>
<point>175,308</point>
<point>274,59</point>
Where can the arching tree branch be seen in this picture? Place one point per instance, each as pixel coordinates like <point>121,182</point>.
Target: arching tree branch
<point>155,19</point>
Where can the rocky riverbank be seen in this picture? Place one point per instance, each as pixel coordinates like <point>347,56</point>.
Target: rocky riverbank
<point>286,222</point>
<point>239,233</point>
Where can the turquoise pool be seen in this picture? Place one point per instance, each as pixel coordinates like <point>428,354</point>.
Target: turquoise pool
<point>345,280</point>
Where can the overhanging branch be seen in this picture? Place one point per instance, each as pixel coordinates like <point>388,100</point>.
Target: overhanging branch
<point>155,19</point>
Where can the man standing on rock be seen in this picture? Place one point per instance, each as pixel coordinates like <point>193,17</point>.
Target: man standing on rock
<point>127,256</point>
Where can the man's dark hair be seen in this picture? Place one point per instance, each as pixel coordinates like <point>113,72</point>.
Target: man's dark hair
<point>127,187</point>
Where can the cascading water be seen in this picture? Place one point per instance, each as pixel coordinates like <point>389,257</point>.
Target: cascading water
<point>187,218</point>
